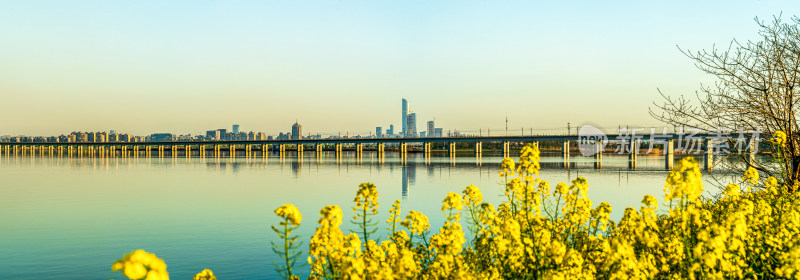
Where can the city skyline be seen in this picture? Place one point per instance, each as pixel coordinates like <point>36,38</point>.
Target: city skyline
<point>150,67</point>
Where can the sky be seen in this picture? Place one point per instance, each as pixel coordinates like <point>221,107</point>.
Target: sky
<point>343,66</point>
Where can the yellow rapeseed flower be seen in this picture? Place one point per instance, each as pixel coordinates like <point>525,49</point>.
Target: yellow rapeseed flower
<point>473,195</point>
<point>367,197</point>
<point>416,222</point>
<point>779,138</point>
<point>751,176</point>
<point>452,201</point>
<point>139,264</point>
<point>206,274</point>
<point>289,212</point>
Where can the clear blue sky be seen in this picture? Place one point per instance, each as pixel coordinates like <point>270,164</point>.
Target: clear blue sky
<point>188,66</point>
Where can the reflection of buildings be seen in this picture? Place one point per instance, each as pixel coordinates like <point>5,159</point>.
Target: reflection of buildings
<point>409,177</point>
<point>297,166</point>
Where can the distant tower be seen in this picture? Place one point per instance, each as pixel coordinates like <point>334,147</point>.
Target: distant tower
<point>235,129</point>
<point>378,131</point>
<point>297,131</point>
<point>391,129</point>
<point>430,132</point>
<point>405,118</point>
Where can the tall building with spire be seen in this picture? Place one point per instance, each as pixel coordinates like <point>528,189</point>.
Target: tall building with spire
<point>404,120</point>
<point>297,131</point>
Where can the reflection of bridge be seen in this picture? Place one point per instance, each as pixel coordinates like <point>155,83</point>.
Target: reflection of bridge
<point>253,148</point>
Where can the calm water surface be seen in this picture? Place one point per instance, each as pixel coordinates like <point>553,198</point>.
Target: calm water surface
<point>69,218</point>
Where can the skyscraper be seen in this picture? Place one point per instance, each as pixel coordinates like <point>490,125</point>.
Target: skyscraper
<point>411,122</point>
<point>430,131</point>
<point>390,131</point>
<point>297,131</point>
<point>405,118</point>
<point>235,129</point>
<point>378,131</point>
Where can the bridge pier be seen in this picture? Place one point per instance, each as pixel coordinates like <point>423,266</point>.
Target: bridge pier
<point>751,152</point>
<point>217,151</point>
<point>565,153</point>
<point>160,150</point>
<point>669,154</point>
<point>174,149</point>
<point>708,162</point>
<point>403,149</point>
<point>381,147</point>
<point>338,148</point>
<point>633,156</point>
<point>598,154</point>
<point>452,149</point>
<point>247,150</point>
<point>359,149</point>
<point>281,149</point>
<point>233,150</point>
<point>188,151</point>
<point>265,150</point>
<point>506,149</point>
<point>299,150</point>
<point>478,149</point>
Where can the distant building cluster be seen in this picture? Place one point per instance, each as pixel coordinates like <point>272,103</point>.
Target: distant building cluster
<point>233,135</point>
<point>408,128</point>
<point>408,125</point>
<point>77,137</point>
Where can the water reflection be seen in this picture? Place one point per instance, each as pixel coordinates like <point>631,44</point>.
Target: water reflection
<point>83,212</point>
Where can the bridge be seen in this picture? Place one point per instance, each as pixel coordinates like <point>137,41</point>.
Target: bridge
<point>253,148</point>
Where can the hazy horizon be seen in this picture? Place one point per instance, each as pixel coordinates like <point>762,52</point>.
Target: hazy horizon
<point>343,66</point>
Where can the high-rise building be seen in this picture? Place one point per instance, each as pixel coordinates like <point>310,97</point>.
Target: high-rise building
<point>411,123</point>
<point>235,129</point>
<point>378,131</point>
<point>405,118</point>
<point>212,135</point>
<point>102,137</point>
<point>430,129</point>
<point>437,132</point>
<point>390,131</point>
<point>297,131</point>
